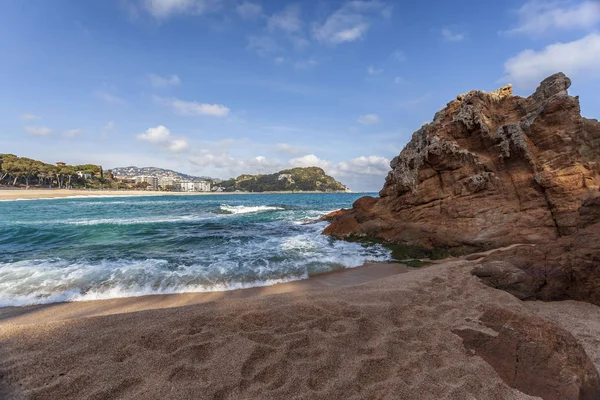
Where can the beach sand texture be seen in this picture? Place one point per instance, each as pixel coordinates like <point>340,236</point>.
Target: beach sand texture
<point>387,339</point>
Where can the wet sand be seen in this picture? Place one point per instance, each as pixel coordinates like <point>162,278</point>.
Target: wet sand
<point>44,313</point>
<point>389,338</point>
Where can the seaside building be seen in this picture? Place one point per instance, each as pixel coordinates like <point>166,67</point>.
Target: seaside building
<point>167,181</point>
<point>151,180</point>
<point>81,174</point>
<point>202,186</point>
<point>187,186</point>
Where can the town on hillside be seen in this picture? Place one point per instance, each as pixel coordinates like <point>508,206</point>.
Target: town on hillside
<point>25,173</point>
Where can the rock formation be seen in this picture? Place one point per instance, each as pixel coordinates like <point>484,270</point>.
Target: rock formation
<point>534,356</point>
<point>568,268</point>
<point>492,169</point>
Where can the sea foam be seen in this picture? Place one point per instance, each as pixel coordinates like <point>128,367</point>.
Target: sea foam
<point>248,209</point>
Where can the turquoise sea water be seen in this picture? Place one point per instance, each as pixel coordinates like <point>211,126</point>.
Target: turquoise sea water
<point>104,247</point>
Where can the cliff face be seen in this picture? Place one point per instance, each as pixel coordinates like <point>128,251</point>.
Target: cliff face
<point>492,169</point>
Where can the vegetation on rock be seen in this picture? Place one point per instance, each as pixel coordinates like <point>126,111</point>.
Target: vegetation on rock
<point>21,171</point>
<point>295,179</point>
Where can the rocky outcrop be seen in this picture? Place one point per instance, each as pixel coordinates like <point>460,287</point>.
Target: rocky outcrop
<point>492,169</point>
<point>534,356</point>
<point>568,268</point>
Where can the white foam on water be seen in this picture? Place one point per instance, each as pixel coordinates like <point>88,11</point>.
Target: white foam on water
<point>278,249</point>
<point>117,292</point>
<point>123,221</point>
<point>54,280</point>
<point>273,261</point>
<point>248,209</point>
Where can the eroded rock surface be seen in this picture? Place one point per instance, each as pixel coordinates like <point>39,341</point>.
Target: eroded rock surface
<point>568,268</point>
<point>534,356</point>
<point>492,169</point>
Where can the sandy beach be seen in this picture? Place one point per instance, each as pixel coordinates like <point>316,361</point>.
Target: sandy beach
<point>345,337</point>
<point>31,194</point>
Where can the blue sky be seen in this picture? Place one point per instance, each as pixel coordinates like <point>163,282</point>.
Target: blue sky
<point>224,87</point>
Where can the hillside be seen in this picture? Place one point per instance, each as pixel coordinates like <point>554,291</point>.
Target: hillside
<point>131,172</point>
<point>22,171</point>
<point>295,179</point>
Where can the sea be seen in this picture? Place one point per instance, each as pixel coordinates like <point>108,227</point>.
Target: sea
<point>90,248</point>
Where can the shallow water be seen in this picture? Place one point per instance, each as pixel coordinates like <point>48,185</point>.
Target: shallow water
<point>76,249</point>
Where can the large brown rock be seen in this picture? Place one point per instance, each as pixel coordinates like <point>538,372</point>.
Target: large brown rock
<point>568,268</point>
<point>492,169</point>
<point>534,356</point>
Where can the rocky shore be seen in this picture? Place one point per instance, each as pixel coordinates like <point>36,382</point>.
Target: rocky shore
<point>493,170</point>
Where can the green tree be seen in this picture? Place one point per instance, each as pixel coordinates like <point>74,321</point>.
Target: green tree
<point>141,185</point>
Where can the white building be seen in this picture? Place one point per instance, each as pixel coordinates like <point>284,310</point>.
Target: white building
<point>151,180</point>
<point>287,177</point>
<point>164,182</point>
<point>202,186</point>
<point>82,175</point>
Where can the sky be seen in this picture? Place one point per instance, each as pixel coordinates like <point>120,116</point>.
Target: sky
<point>224,87</point>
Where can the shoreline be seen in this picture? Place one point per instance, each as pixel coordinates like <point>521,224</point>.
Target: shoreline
<point>8,194</point>
<point>386,338</point>
<point>58,311</point>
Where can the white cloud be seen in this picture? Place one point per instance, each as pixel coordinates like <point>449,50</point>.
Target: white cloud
<point>194,108</point>
<point>306,64</point>
<point>540,16</point>
<point>350,22</point>
<point>163,81</point>
<point>365,171</point>
<point>451,36</point>
<point>279,60</point>
<point>361,171</point>
<point>108,97</point>
<point>368,119</point>
<point>248,10</point>
<point>263,45</point>
<point>399,56</point>
<point>374,71</point>
<point>287,20</point>
<point>371,165</point>
<point>29,117</point>
<point>529,67</point>
<point>71,133</point>
<point>38,130</point>
<point>309,160</point>
<point>164,8</point>
<point>399,80</point>
<point>161,136</point>
<point>231,166</point>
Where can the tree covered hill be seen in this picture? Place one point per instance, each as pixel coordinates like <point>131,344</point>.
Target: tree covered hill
<point>16,171</point>
<point>21,171</point>
<point>295,179</point>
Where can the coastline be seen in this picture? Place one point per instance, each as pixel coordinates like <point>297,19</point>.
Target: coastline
<point>40,194</point>
<point>387,338</point>
<point>52,312</point>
